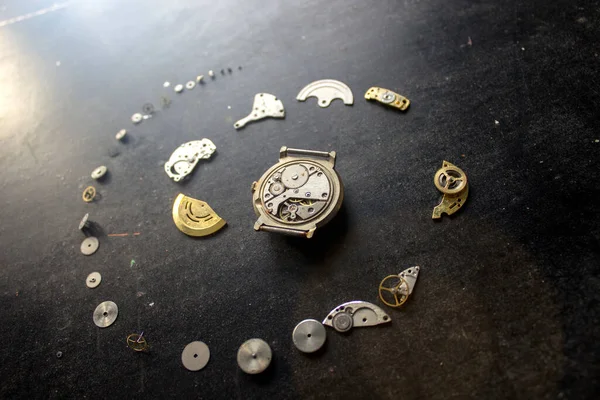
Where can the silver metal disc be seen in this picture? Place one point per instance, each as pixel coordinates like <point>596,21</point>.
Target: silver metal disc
<point>136,118</point>
<point>195,356</point>
<point>105,314</point>
<point>254,356</point>
<point>121,134</point>
<point>309,336</point>
<point>93,280</point>
<point>342,322</point>
<point>387,97</point>
<point>89,245</point>
<point>99,172</point>
<point>190,85</point>
<point>84,221</point>
<point>178,88</point>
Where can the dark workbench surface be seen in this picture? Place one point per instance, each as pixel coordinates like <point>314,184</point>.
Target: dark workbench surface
<point>506,305</point>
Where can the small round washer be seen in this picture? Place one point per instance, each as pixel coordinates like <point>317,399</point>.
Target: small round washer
<point>136,118</point>
<point>190,85</point>
<point>342,322</point>
<point>99,172</point>
<point>93,280</point>
<point>195,356</point>
<point>166,84</point>
<point>178,88</point>
<point>387,97</point>
<point>105,314</point>
<point>309,336</point>
<point>121,134</point>
<point>89,245</point>
<point>254,356</point>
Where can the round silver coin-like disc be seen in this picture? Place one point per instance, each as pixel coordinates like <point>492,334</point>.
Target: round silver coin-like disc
<point>93,280</point>
<point>195,356</point>
<point>105,314</point>
<point>84,221</point>
<point>89,245</point>
<point>342,322</point>
<point>309,336</point>
<point>254,356</point>
<point>99,172</point>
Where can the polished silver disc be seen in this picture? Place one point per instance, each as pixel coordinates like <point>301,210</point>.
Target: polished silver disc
<point>93,280</point>
<point>309,336</point>
<point>84,221</point>
<point>342,322</point>
<point>254,356</point>
<point>89,245</point>
<point>195,356</point>
<point>105,314</point>
<point>99,172</point>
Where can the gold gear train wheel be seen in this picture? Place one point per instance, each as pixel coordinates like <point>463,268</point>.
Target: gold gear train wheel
<point>394,290</point>
<point>450,179</point>
<point>137,342</point>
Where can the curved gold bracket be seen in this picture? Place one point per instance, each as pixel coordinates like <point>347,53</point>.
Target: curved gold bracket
<point>452,182</point>
<point>195,217</point>
<point>399,290</point>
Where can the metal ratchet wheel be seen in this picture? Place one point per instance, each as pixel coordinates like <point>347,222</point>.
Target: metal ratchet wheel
<point>299,194</point>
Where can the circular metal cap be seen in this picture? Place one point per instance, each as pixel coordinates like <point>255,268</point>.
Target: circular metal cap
<point>121,134</point>
<point>254,356</point>
<point>309,336</point>
<point>93,280</point>
<point>89,245</point>
<point>178,88</point>
<point>195,356</point>
<point>190,85</point>
<point>342,322</point>
<point>136,118</point>
<point>105,314</point>
<point>99,172</point>
<point>84,221</point>
<point>388,97</point>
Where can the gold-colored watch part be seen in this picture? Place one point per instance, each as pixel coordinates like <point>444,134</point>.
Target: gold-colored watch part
<point>195,217</point>
<point>387,97</point>
<point>399,290</point>
<point>137,342</point>
<point>453,183</point>
<point>89,194</point>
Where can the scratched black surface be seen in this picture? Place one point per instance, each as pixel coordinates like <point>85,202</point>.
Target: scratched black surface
<point>507,302</point>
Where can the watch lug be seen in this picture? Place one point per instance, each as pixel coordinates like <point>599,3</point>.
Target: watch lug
<point>332,155</point>
<point>283,152</point>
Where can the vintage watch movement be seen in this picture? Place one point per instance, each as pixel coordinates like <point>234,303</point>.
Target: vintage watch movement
<point>299,194</point>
